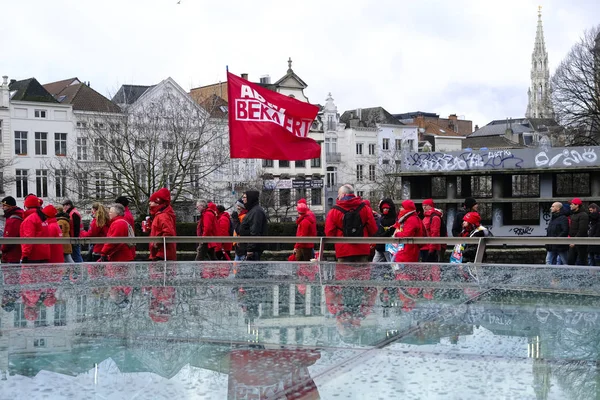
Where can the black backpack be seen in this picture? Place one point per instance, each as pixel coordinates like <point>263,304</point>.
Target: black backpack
<point>353,225</point>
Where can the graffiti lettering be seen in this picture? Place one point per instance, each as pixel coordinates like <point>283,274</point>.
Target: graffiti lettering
<point>566,158</point>
<point>464,161</point>
<point>522,231</point>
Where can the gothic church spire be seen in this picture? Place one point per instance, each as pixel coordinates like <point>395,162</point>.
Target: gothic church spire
<point>539,105</point>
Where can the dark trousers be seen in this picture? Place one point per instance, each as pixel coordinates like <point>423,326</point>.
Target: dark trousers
<point>578,255</point>
<point>304,254</point>
<point>204,253</point>
<point>356,259</point>
<point>427,256</point>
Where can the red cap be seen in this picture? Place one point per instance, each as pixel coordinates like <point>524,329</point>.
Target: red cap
<point>428,202</point>
<point>577,201</point>
<point>302,201</point>
<point>473,218</point>
<point>32,201</point>
<point>302,208</point>
<point>49,211</point>
<point>409,205</point>
<point>161,196</point>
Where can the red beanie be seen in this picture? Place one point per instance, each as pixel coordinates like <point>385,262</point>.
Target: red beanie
<point>302,201</point>
<point>428,202</point>
<point>161,196</point>
<point>32,201</point>
<point>473,218</point>
<point>49,211</point>
<point>409,205</point>
<point>302,208</point>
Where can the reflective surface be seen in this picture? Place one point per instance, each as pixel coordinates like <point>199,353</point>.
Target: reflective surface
<point>299,331</point>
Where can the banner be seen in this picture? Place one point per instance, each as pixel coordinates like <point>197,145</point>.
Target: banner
<point>268,125</point>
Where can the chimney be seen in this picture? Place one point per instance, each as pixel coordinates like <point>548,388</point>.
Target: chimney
<point>245,76</point>
<point>265,79</point>
<point>453,123</point>
<point>420,121</point>
<point>4,80</point>
<point>4,93</point>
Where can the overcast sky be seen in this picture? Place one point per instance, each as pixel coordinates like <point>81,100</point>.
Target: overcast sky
<point>471,58</point>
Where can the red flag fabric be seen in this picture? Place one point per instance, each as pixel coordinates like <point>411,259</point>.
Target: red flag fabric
<point>268,125</point>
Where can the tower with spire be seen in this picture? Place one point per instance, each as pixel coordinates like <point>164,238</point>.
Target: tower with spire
<point>539,105</point>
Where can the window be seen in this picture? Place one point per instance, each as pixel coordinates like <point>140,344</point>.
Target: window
<point>39,114</point>
<point>267,163</point>
<point>386,144</point>
<point>485,211</point>
<point>331,177</point>
<point>385,162</point>
<point>315,196</point>
<point>481,186</point>
<point>116,179</point>
<point>572,184</point>
<point>525,185</point>
<point>81,308</point>
<point>371,149</point>
<point>98,150</point>
<point>0,131</point>
<point>359,173</point>
<point>20,143</point>
<point>284,164</point>
<point>371,172</point>
<point>19,312</point>
<point>82,125</point>
<point>331,125</point>
<point>168,145</point>
<point>41,319</point>
<point>301,164</point>
<point>60,314</point>
<point>60,144</point>
<point>99,125</point>
<point>315,163</point>
<point>398,144</point>
<point>60,180</point>
<point>141,174</point>
<point>521,213</point>
<point>195,176</point>
<point>438,187</point>
<point>82,149</point>
<point>330,145</point>
<point>359,148</point>
<point>410,144</point>
<point>21,182</point>
<point>41,182</point>
<point>300,194</point>
<point>100,181</point>
<point>41,143</point>
<point>285,197</point>
<point>360,193</point>
<point>82,185</point>
<point>267,198</point>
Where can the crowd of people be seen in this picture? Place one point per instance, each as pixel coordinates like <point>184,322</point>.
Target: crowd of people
<point>351,216</point>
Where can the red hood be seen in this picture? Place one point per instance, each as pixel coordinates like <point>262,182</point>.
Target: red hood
<point>350,204</point>
<point>433,211</point>
<point>309,216</point>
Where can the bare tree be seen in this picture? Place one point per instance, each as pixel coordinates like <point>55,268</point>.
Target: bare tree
<point>6,178</point>
<point>166,142</point>
<point>576,90</point>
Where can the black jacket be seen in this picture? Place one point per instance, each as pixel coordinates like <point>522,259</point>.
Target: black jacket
<point>594,231</point>
<point>457,227</point>
<point>253,224</point>
<point>386,221</point>
<point>470,250</point>
<point>579,224</point>
<point>558,227</point>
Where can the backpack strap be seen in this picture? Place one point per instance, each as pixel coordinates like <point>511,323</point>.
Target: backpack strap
<point>15,216</point>
<point>341,209</point>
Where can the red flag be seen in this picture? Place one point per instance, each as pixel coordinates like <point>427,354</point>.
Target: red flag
<point>268,125</point>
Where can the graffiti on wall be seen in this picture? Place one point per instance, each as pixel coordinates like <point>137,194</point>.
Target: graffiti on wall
<point>521,230</point>
<point>566,158</point>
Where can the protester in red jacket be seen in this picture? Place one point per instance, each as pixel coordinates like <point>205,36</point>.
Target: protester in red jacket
<point>118,228</point>
<point>54,230</point>
<point>11,253</point>
<point>124,201</point>
<point>98,227</point>
<point>224,225</point>
<point>163,224</point>
<point>34,226</point>
<point>433,223</point>
<point>307,226</point>
<point>409,225</point>
<point>335,222</point>
<point>207,226</point>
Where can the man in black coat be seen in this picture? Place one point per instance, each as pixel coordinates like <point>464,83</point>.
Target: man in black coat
<point>594,231</point>
<point>558,227</point>
<point>385,228</point>
<point>578,228</point>
<point>253,224</point>
<point>469,205</point>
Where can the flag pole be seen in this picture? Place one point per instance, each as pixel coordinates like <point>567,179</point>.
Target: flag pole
<point>232,186</point>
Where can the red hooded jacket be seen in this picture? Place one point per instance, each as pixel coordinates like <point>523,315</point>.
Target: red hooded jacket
<point>207,226</point>
<point>307,226</point>
<point>56,250</point>
<point>433,224</point>
<point>118,251</point>
<point>11,253</point>
<point>96,231</point>
<point>335,222</point>
<point>129,217</point>
<point>34,227</point>
<point>409,225</point>
<point>163,224</point>
<point>223,224</point>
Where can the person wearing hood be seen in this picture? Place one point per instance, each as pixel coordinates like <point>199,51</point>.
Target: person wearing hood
<point>11,253</point>
<point>469,205</point>
<point>557,227</point>
<point>124,201</point>
<point>207,227</point>
<point>224,228</point>
<point>594,231</point>
<point>62,219</point>
<point>346,202</point>
<point>56,249</point>
<point>387,210</point>
<point>253,224</point>
<point>118,228</point>
<point>433,224</point>
<point>577,229</point>
<point>34,226</point>
<point>306,227</point>
<point>409,225</point>
<point>472,228</point>
<point>163,224</point>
